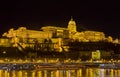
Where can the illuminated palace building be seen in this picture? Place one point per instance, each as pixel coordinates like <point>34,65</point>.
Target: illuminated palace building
<point>51,37</point>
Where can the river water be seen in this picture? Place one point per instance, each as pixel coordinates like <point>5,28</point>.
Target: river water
<point>83,72</point>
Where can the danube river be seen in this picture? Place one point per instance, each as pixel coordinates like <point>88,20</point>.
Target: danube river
<point>83,72</point>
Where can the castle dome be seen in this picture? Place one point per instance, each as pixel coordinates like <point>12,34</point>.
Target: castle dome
<point>72,25</point>
<point>71,22</point>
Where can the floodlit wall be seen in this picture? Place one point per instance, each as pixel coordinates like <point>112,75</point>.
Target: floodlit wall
<point>58,32</point>
<point>22,32</point>
<point>5,42</point>
<point>87,36</point>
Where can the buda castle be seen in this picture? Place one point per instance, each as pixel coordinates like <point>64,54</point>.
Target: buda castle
<point>51,34</point>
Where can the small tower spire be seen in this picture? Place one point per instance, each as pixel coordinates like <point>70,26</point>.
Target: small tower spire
<point>71,18</point>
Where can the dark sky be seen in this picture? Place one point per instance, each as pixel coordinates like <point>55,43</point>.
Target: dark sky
<point>98,16</point>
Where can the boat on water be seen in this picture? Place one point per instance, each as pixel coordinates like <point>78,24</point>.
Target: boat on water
<point>10,67</point>
<point>109,66</point>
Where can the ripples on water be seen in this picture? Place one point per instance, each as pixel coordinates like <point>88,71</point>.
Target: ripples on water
<point>85,72</point>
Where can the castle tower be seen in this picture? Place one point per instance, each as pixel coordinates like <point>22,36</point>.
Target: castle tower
<point>72,26</point>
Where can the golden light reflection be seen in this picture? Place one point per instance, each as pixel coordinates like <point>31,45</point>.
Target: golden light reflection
<point>33,74</point>
<point>19,74</point>
<point>6,74</point>
<point>58,73</point>
<point>88,72</point>
<point>39,74</point>
<point>1,72</point>
<point>119,72</point>
<point>68,73</point>
<point>102,72</point>
<point>91,71</point>
<point>115,73</point>
<point>25,74</point>
<point>112,73</point>
<point>14,74</point>
<point>45,73</point>
<point>80,73</point>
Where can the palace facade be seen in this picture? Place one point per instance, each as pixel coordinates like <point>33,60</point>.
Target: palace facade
<point>51,34</point>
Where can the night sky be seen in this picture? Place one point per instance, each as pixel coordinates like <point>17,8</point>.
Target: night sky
<point>98,16</point>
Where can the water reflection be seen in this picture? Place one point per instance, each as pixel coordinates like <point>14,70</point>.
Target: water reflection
<point>85,72</point>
